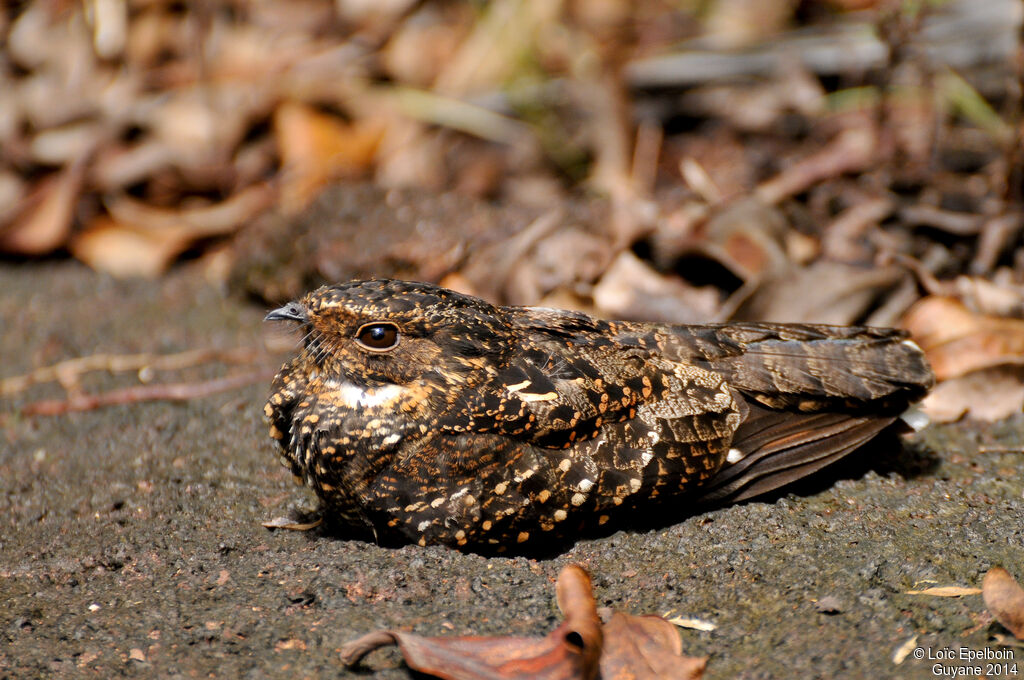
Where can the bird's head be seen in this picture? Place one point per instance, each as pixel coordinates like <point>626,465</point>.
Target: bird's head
<point>384,332</point>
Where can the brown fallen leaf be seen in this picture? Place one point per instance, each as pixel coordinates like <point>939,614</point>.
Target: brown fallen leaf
<point>632,289</point>
<point>958,341</point>
<point>634,647</point>
<point>824,292</point>
<point>124,250</point>
<point>1005,599</point>
<point>569,652</point>
<point>316,147</point>
<point>140,240</point>
<point>199,221</point>
<point>46,216</point>
<point>990,394</point>
<point>645,647</point>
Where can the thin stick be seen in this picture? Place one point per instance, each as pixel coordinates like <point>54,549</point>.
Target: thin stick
<point>68,372</point>
<point>132,395</point>
<point>852,150</point>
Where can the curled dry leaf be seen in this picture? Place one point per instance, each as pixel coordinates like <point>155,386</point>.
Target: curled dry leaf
<point>316,147</point>
<point>142,240</point>
<point>990,394</point>
<point>824,292</point>
<point>646,648</point>
<point>958,341</point>
<point>45,220</point>
<point>1001,296</point>
<point>123,250</point>
<point>692,623</point>
<point>747,237</point>
<point>979,358</point>
<point>560,260</point>
<point>634,647</point>
<point>631,289</point>
<point>1005,599</point>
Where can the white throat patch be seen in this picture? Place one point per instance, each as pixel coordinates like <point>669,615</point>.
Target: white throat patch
<point>355,396</point>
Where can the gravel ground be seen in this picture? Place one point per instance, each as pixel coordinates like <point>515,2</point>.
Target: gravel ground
<point>133,547</point>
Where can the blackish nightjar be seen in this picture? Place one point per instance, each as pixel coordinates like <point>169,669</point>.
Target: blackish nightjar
<point>422,415</point>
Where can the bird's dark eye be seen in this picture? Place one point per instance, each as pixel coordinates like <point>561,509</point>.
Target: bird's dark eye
<point>378,336</point>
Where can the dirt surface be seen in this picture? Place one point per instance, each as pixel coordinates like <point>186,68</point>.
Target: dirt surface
<point>132,543</point>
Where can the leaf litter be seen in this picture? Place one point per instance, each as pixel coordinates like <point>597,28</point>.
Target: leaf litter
<point>139,133</point>
<point>581,648</point>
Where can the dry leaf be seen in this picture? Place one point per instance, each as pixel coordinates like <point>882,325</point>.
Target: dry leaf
<point>45,221</point>
<point>946,591</point>
<point>187,224</point>
<point>120,165</point>
<point>563,259</point>
<point>421,46</point>
<point>645,648</point>
<point>316,147</point>
<point>1003,296</point>
<point>570,652</point>
<point>745,236</point>
<point>292,644</point>
<point>958,341</point>
<point>829,604</point>
<point>12,190</point>
<point>142,240</point>
<point>628,647</point>
<point>1005,599</point>
<point>991,394</point>
<point>977,356</point>
<point>125,250</point>
<point>824,292</point>
<point>631,289</point>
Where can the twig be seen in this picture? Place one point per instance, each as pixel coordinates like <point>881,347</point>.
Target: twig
<point>132,395</point>
<point>956,223</point>
<point>1000,449</point>
<point>997,234</point>
<point>841,238</point>
<point>852,151</point>
<point>927,279</point>
<point>68,372</point>
<point>649,138</point>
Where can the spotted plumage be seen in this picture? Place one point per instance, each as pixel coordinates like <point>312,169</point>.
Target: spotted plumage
<point>422,415</point>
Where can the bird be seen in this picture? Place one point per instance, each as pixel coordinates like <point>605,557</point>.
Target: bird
<point>420,415</point>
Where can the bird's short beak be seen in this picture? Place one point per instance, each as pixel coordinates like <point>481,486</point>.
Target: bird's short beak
<point>293,311</point>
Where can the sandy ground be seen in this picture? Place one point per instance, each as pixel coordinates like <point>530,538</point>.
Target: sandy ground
<point>132,543</point>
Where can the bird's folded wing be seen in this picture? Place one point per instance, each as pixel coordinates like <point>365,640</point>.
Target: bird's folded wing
<point>772,449</point>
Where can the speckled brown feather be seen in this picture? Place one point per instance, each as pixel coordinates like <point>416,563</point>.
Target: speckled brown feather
<point>495,426</point>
